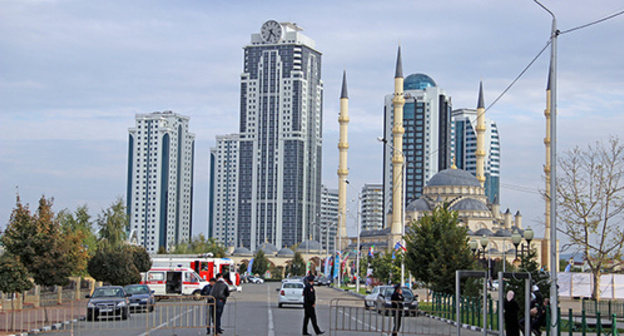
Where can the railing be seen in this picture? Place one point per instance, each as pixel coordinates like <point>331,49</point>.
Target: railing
<point>591,307</point>
<point>471,310</point>
<point>170,313</point>
<point>595,325</point>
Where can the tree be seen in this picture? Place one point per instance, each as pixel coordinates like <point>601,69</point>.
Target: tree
<point>529,264</point>
<point>385,268</point>
<point>298,266</point>
<point>260,263</point>
<point>113,223</point>
<point>140,257</point>
<point>38,243</point>
<point>200,245</point>
<point>114,265</point>
<point>13,279</point>
<point>590,202</point>
<point>437,247</point>
<point>80,221</point>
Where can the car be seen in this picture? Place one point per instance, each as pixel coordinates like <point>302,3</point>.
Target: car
<point>494,285</point>
<point>291,292</point>
<point>255,279</point>
<point>141,297</point>
<point>322,281</point>
<point>293,278</point>
<point>380,300</point>
<point>108,301</point>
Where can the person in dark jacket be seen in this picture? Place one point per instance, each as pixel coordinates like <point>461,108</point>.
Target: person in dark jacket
<point>309,303</point>
<point>539,320</point>
<point>205,292</point>
<point>512,327</point>
<point>397,308</point>
<point>220,292</point>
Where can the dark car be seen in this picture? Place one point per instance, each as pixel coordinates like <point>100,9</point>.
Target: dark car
<point>322,281</point>
<point>141,297</point>
<point>379,299</point>
<point>108,301</point>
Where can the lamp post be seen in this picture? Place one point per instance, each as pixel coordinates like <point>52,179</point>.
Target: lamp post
<point>403,171</point>
<point>357,252</point>
<point>484,243</point>
<point>516,238</point>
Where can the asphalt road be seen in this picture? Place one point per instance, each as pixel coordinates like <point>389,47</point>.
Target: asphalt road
<point>254,311</point>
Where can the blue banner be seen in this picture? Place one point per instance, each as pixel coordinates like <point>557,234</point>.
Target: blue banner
<point>249,266</point>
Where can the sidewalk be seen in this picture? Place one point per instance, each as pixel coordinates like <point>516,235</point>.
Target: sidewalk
<point>35,318</point>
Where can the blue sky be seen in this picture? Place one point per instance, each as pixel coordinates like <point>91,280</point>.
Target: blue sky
<point>74,73</point>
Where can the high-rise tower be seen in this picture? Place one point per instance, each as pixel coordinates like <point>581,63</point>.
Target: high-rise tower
<point>343,171</point>
<point>426,142</point>
<point>160,179</point>
<point>480,152</point>
<point>223,190</point>
<point>280,137</point>
<point>398,164</point>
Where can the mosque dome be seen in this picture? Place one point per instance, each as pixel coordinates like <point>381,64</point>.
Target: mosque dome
<point>241,252</point>
<point>453,177</point>
<point>268,248</point>
<point>469,204</point>
<point>285,252</point>
<point>418,82</point>
<point>418,205</point>
<point>309,245</point>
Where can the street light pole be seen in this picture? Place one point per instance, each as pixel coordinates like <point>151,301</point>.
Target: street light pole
<point>554,300</point>
<point>357,251</point>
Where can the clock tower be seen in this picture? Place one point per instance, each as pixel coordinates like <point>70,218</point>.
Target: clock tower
<point>280,148</point>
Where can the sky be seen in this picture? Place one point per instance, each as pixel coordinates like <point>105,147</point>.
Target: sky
<point>73,74</point>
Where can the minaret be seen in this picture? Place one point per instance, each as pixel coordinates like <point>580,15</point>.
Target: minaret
<point>546,242</point>
<point>480,152</point>
<point>343,171</point>
<point>397,158</point>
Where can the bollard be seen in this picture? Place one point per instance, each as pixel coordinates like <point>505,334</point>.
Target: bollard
<point>598,324</point>
<point>583,323</point>
<point>614,324</point>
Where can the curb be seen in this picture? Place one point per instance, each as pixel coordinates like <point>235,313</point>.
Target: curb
<point>53,327</point>
<point>352,293</point>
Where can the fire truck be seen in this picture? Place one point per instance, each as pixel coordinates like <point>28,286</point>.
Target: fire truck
<point>205,265</point>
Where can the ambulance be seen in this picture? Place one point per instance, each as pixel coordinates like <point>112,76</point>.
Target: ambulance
<point>173,281</point>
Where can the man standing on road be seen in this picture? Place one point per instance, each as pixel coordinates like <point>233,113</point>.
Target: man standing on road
<point>309,303</point>
<point>397,308</point>
<point>205,292</point>
<point>220,292</point>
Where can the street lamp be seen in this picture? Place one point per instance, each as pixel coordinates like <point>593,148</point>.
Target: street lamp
<point>484,243</point>
<point>404,171</point>
<point>516,238</point>
<point>357,252</point>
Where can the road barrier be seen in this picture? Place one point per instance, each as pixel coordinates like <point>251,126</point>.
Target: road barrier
<point>169,313</point>
<point>351,317</point>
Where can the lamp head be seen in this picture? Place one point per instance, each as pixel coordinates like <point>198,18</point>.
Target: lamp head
<point>473,246</point>
<point>528,235</point>
<point>484,242</point>
<point>516,238</point>
<point>381,139</point>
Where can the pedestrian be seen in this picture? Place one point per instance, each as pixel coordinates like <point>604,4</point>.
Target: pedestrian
<point>220,292</point>
<point>309,306</point>
<point>397,308</point>
<point>205,292</point>
<point>512,327</point>
<point>539,320</point>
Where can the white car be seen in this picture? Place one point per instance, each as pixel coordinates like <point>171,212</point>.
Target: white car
<point>255,280</point>
<point>290,293</point>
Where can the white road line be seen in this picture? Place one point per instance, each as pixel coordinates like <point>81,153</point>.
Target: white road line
<point>166,323</point>
<point>271,328</point>
<point>361,322</point>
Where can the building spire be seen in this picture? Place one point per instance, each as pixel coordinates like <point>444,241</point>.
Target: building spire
<point>481,102</point>
<point>399,65</point>
<point>344,93</point>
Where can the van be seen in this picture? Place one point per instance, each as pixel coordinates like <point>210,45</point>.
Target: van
<point>174,282</point>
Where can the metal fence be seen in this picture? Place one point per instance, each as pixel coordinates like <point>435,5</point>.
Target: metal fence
<point>591,307</point>
<point>352,317</point>
<point>169,313</point>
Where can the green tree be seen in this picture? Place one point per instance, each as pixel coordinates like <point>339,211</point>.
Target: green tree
<point>114,265</point>
<point>385,268</point>
<point>260,263</point>
<point>200,245</point>
<point>13,279</point>
<point>298,266</point>
<point>437,247</point>
<point>113,223</point>
<point>590,203</point>
<point>140,257</point>
<point>38,243</point>
<point>80,221</point>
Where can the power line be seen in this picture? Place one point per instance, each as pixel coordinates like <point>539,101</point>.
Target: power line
<point>593,22</point>
<point>521,188</point>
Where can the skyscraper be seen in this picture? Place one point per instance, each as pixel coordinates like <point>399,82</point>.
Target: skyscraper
<point>280,149</point>
<point>329,218</point>
<point>465,146</point>
<point>372,207</point>
<point>427,138</point>
<point>223,201</point>
<point>160,179</point>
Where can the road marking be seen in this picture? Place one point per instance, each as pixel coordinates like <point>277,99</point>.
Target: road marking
<point>271,328</point>
<point>166,323</point>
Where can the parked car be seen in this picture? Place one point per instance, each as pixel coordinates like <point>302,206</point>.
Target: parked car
<point>293,278</point>
<point>141,297</point>
<point>322,281</point>
<point>108,301</point>
<point>290,293</point>
<point>379,299</point>
<point>255,280</point>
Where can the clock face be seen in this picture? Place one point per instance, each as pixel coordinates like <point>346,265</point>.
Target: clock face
<point>271,31</point>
